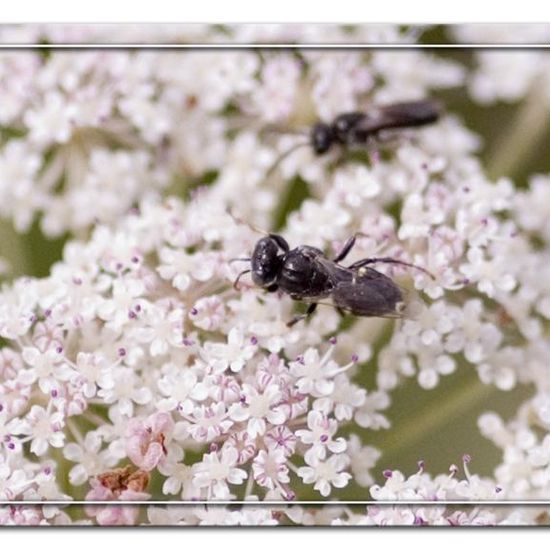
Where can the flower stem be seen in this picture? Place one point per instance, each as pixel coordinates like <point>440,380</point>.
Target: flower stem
<point>13,250</point>
<point>429,420</point>
<point>521,136</point>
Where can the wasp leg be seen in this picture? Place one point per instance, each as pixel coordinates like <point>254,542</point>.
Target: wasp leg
<point>350,243</point>
<point>367,261</point>
<point>281,242</point>
<point>298,318</point>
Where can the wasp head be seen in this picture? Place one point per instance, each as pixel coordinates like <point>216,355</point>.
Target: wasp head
<point>322,138</point>
<point>267,260</point>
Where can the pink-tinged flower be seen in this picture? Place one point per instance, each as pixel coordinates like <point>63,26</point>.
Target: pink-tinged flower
<point>320,437</point>
<point>280,437</point>
<point>208,313</point>
<point>270,469</point>
<point>223,388</point>
<point>293,403</point>
<point>232,355</point>
<point>120,484</point>
<point>13,481</point>
<point>208,422</point>
<point>145,440</point>
<point>47,336</point>
<point>326,474</point>
<point>244,444</point>
<point>22,515</point>
<point>257,409</point>
<point>392,515</point>
<point>14,397</point>
<point>216,470</point>
<point>11,363</point>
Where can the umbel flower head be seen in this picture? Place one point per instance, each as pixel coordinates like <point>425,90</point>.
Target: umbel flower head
<point>136,370</point>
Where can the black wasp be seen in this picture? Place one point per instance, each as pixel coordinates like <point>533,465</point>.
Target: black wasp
<point>307,275</point>
<point>356,129</point>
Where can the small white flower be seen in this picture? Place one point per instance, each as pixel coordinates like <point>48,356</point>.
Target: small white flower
<point>326,474</point>
<point>270,469</point>
<point>314,374</point>
<point>216,471</point>
<point>182,390</point>
<point>44,428</point>
<point>232,355</point>
<point>367,416</point>
<point>90,459</point>
<point>124,390</point>
<point>320,437</point>
<point>52,119</point>
<point>258,408</point>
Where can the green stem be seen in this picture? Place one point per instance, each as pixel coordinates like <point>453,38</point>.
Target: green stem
<point>429,419</point>
<point>520,136</point>
<point>13,250</point>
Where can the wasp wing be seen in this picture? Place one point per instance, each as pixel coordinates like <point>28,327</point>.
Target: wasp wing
<point>365,291</point>
<point>369,293</point>
<point>399,115</point>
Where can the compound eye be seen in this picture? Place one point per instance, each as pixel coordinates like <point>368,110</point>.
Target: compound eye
<point>321,138</point>
<point>266,263</point>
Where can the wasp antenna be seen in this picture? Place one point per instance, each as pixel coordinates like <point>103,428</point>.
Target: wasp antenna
<point>280,130</point>
<point>240,221</point>
<point>236,283</point>
<point>283,156</point>
<point>239,260</point>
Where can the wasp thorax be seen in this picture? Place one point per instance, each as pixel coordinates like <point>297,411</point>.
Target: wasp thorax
<point>266,262</point>
<point>344,124</point>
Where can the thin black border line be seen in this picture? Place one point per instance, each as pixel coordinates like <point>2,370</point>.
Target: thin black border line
<point>275,503</point>
<point>273,46</point>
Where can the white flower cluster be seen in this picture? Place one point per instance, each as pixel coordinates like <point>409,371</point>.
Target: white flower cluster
<point>94,132</point>
<point>507,75</point>
<point>137,371</point>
